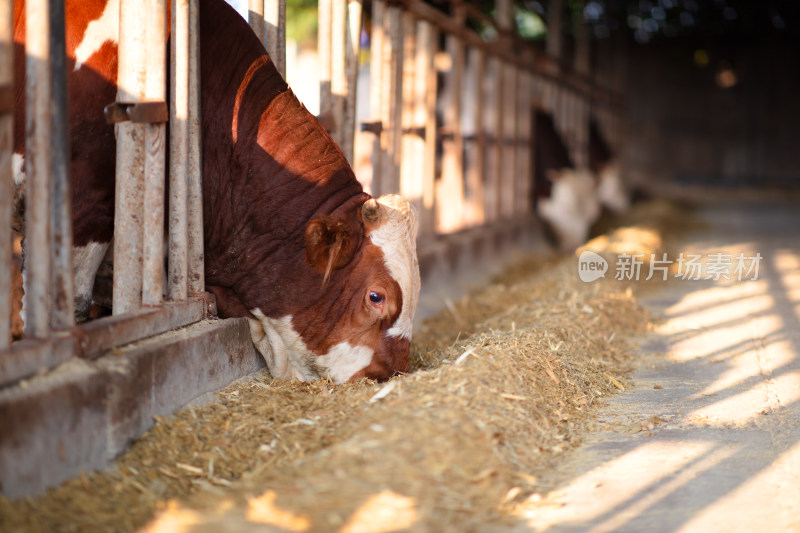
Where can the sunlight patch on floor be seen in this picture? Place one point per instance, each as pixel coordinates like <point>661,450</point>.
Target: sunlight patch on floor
<point>629,484</point>
<point>775,484</point>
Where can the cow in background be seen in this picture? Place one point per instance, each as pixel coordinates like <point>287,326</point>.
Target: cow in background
<point>610,188</point>
<point>326,275</point>
<point>565,197</point>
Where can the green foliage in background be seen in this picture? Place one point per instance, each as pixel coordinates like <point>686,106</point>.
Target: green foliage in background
<point>301,21</point>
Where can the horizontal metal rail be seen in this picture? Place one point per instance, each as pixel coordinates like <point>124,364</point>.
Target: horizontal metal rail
<point>95,338</point>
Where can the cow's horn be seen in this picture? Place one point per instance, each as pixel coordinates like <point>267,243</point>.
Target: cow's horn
<point>371,211</point>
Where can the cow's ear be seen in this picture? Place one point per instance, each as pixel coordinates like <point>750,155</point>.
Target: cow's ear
<point>330,244</point>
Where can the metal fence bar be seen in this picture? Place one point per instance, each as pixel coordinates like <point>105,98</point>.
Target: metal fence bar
<point>451,186</point>
<point>196,281</point>
<point>129,191</point>
<point>338,70</point>
<point>62,298</point>
<point>427,46</point>
<point>275,32</point>
<point>178,152</point>
<point>155,151</point>
<point>509,130</point>
<point>255,17</point>
<point>523,146</point>
<point>476,151</point>
<point>324,10</point>
<point>413,146</point>
<point>376,90</point>
<point>392,97</point>
<point>352,49</point>
<point>493,128</point>
<point>37,168</point>
<point>6,149</point>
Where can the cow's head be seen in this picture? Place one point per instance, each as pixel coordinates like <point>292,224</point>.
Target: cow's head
<point>358,321</point>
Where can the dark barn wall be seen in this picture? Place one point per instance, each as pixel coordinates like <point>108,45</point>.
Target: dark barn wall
<point>684,128</point>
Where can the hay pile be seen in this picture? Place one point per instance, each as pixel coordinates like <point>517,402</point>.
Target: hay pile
<point>505,380</point>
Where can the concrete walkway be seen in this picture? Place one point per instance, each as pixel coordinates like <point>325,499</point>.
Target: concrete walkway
<point>709,438</point>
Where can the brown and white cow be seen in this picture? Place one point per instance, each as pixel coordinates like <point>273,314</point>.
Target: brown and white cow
<point>326,275</point>
<point>565,197</point>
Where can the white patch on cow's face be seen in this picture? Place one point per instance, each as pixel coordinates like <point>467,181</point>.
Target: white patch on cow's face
<point>283,349</point>
<point>572,207</point>
<point>85,262</point>
<point>18,168</point>
<point>287,356</point>
<point>343,361</point>
<point>98,32</point>
<point>397,239</point>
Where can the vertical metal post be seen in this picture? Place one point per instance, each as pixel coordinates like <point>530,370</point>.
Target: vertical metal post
<point>62,297</point>
<point>178,151</point>
<point>494,127</point>
<point>554,28</point>
<point>275,32</point>
<point>376,45</point>
<point>324,53</point>
<point>155,147</point>
<point>582,51</point>
<point>37,168</point>
<point>255,17</point>
<point>427,46</point>
<point>523,158</point>
<point>509,131</point>
<point>6,187</point>
<point>352,48</point>
<point>130,161</point>
<point>474,214</point>
<point>195,252</point>
<point>412,145</point>
<point>451,187</point>
<point>392,98</point>
<point>338,74</point>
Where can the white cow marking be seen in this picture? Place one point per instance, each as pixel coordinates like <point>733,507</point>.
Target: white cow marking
<point>85,262</point>
<point>343,361</point>
<point>288,357</point>
<point>18,168</point>
<point>282,347</point>
<point>397,239</point>
<point>98,32</point>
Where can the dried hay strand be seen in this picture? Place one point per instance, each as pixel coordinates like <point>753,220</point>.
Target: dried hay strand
<point>503,383</point>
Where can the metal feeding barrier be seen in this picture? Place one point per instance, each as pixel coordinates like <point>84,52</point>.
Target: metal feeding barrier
<point>51,336</point>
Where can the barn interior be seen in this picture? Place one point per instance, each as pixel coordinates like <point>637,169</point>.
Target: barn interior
<point>659,392</point>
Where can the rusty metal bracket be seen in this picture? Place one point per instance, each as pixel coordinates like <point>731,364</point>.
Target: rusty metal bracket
<point>372,127</point>
<point>419,131</point>
<point>153,112</point>
<point>6,99</point>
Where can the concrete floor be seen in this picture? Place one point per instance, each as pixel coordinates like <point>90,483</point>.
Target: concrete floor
<point>709,438</point>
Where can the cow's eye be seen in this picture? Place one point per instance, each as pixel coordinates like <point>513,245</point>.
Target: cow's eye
<point>375,297</point>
